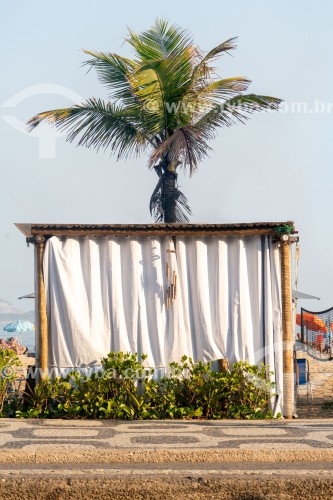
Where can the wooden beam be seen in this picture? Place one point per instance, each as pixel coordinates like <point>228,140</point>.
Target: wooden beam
<point>153,232</point>
<point>42,360</point>
<point>238,229</point>
<point>288,361</point>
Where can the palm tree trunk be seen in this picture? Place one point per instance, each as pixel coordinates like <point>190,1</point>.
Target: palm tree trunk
<point>169,196</point>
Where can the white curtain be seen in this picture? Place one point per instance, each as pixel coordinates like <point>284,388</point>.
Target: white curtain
<point>109,294</point>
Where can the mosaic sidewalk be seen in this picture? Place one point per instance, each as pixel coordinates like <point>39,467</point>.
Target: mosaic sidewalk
<point>34,435</point>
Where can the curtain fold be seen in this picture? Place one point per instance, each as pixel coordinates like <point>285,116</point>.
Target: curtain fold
<point>109,294</point>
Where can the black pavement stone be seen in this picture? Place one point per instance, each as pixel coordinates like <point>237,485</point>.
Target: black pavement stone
<point>28,433</point>
<point>288,432</point>
<point>237,443</point>
<point>166,439</point>
<point>330,436</point>
<point>50,442</point>
<point>154,427</point>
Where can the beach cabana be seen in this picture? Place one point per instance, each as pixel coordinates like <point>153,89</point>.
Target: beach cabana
<point>210,291</point>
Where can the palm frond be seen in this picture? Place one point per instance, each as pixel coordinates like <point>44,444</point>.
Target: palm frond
<point>202,99</point>
<point>98,125</point>
<point>163,84</point>
<point>113,71</point>
<point>201,68</point>
<point>236,109</point>
<point>156,207</point>
<point>160,41</point>
<point>186,146</point>
<point>226,46</point>
<point>156,202</point>
<point>222,89</point>
<point>183,210</point>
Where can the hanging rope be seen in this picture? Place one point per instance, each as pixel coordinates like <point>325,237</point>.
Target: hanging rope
<point>297,256</point>
<point>171,276</point>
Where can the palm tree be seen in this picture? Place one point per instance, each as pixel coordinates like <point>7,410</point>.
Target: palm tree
<point>167,99</point>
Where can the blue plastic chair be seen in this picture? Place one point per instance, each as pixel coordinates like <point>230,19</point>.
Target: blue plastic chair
<point>303,377</point>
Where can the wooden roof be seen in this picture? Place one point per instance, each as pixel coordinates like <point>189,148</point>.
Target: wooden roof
<point>247,228</point>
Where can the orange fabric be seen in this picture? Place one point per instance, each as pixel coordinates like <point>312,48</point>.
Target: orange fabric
<point>311,322</point>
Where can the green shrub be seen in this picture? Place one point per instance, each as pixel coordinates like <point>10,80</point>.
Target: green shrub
<point>193,390</point>
<point>249,391</point>
<point>8,363</point>
<point>123,389</point>
<point>109,392</point>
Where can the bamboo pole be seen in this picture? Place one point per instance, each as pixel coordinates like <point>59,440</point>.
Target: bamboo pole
<point>41,308</point>
<point>288,361</point>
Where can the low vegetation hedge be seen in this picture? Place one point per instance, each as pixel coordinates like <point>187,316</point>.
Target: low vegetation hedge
<point>122,388</point>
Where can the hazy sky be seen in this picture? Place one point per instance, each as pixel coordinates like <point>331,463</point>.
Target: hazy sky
<point>275,168</point>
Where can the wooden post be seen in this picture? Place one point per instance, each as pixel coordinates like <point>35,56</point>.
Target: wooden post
<point>288,362</point>
<point>41,308</point>
<point>223,365</point>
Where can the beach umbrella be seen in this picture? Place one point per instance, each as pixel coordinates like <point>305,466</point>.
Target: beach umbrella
<point>19,327</point>
<point>314,329</point>
<point>311,322</point>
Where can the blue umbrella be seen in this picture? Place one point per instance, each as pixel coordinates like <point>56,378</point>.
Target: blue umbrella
<point>19,326</point>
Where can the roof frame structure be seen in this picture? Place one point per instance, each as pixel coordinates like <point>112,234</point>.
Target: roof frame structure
<point>238,229</point>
